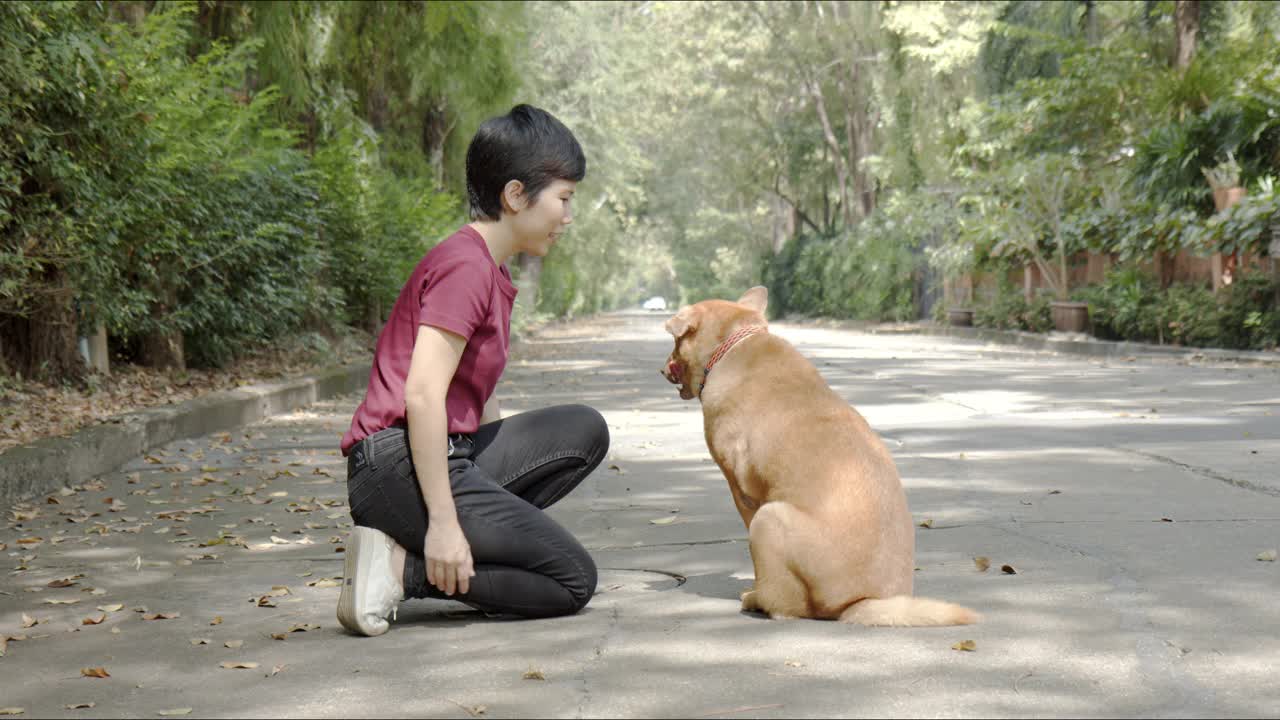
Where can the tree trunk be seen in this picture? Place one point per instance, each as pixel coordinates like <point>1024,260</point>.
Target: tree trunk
<point>164,349</point>
<point>1186,18</point>
<point>43,343</point>
<point>1090,21</point>
<point>833,145</point>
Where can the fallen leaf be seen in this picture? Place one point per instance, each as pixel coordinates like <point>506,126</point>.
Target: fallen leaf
<point>161,616</point>
<point>80,706</point>
<point>1267,556</point>
<point>277,670</point>
<point>303,627</point>
<point>794,664</point>
<point>965,645</point>
<point>28,621</point>
<point>1055,492</point>
<point>233,644</point>
<point>12,711</point>
<point>533,675</point>
<point>279,540</point>
<point>175,711</point>
<point>229,665</point>
<point>926,523</point>
<point>982,563</point>
<point>325,583</point>
<point>664,520</point>
<point>200,641</point>
<point>94,620</point>
<point>1008,570</point>
<point>217,620</point>
<point>64,582</point>
<point>115,607</point>
<point>99,672</point>
<point>618,469</point>
<point>60,601</point>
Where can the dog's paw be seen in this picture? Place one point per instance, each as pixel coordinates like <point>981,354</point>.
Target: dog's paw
<point>749,602</point>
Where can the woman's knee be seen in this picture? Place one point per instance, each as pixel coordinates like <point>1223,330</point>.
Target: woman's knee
<point>590,426</point>
<point>583,587</point>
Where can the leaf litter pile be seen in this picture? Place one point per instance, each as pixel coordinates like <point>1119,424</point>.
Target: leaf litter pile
<point>185,509</point>
<point>32,410</point>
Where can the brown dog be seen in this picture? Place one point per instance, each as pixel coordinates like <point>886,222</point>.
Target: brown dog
<point>825,512</point>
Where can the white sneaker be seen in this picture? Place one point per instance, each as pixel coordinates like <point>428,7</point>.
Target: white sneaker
<point>370,589</point>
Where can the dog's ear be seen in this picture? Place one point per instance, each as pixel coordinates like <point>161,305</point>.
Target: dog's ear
<point>682,323</point>
<point>757,298</point>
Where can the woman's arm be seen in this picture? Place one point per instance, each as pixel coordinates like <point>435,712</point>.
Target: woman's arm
<point>435,358</point>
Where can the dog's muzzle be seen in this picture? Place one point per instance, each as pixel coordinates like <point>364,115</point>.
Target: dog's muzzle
<point>673,372</point>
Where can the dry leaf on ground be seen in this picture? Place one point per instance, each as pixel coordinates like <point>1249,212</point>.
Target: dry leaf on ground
<point>217,620</point>
<point>982,563</point>
<point>80,706</point>
<point>94,620</point>
<point>664,520</point>
<point>98,672</point>
<point>926,523</point>
<point>1267,556</point>
<point>1008,570</point>
<point>28,621</point>
<point>534,675</point>
<point>965,645</point>
<point>233,644</point>
<point>161,616</point>
<point>114,607</point>
<point>175,711</point>
<point>232,665</point>
<point>12,711</point>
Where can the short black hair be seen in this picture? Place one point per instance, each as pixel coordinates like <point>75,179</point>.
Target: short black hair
<point>527,144</point>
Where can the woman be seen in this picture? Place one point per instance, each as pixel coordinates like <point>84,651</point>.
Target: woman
<point>447,497</point>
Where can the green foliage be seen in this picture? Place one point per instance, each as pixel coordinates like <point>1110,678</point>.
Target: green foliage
<point>1007,309</point>
<point>1129,305</point>
<point>144,176</point>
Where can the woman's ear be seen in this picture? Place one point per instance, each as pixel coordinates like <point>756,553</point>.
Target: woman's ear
<point>513,197</point>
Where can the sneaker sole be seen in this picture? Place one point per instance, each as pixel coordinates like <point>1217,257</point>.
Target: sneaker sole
<point>347,615</point>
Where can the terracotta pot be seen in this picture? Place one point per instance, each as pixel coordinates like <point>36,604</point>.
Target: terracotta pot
<point>1069,316</point>
<point>1224,198</point>
<point>960,317</point>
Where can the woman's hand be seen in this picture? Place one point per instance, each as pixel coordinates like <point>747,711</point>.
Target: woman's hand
<point>448,555</point>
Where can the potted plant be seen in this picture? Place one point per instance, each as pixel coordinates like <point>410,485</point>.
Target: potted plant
<point>1037,214</point>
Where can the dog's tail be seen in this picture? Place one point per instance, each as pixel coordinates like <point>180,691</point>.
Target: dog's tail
<point>907,611</point>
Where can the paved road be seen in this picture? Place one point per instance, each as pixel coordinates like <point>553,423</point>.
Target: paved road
<point>1132,498</point>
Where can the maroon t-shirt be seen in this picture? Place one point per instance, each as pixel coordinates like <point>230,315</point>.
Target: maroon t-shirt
<point>457,287</point>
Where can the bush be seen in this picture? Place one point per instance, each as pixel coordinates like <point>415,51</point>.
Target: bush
<point>1129,305</point>
<point>1008,309</point>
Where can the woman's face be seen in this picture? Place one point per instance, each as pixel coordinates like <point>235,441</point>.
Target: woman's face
<point>539,224</point>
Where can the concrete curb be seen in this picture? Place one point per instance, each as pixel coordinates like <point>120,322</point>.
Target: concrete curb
<point>50,463</point>
<point>1084,345</point>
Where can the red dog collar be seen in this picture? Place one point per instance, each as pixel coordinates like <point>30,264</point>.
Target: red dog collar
<point>726,346</point>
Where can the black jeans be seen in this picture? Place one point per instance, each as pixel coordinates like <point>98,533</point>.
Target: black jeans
<point>502,476</point>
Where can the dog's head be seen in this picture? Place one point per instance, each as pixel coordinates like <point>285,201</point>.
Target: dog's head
<point>699,329</point>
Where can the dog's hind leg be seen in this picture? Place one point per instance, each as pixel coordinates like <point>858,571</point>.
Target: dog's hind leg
<point>777,530</point>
